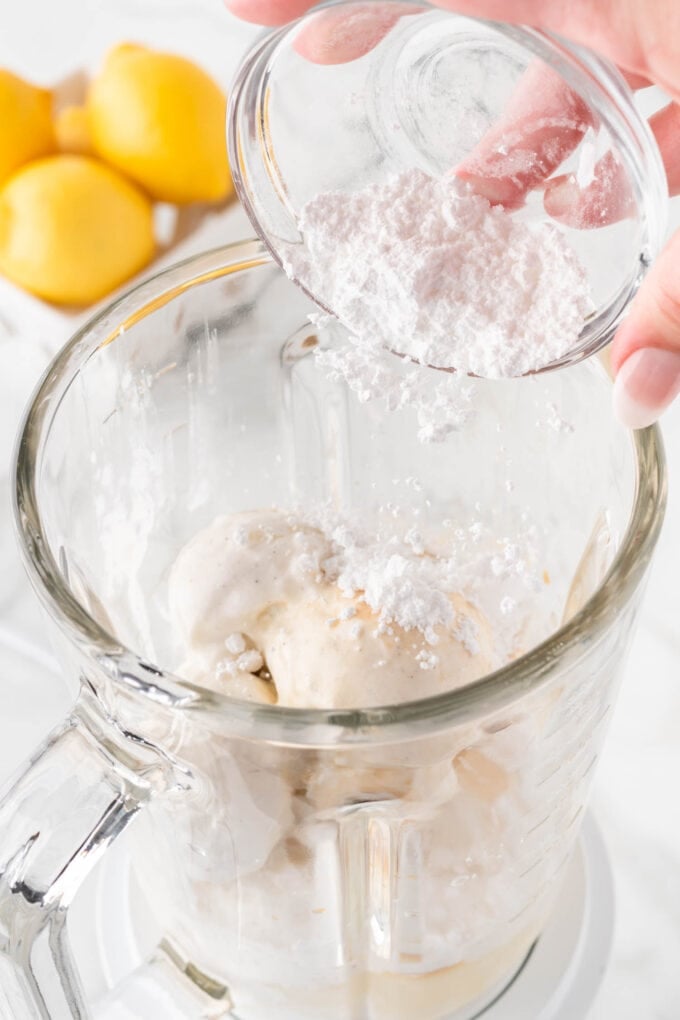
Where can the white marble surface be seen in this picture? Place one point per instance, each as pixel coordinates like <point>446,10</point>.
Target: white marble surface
<point>636,795</point>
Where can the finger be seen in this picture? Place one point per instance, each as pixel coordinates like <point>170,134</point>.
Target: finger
<point>645,355</point>
<point>638,43</point>
<point>542,124</point>
<point>636,81</point>
<point>607,196</point>
<point>665,127</point>
<point>338,35</point>
<point>631,33</point>
<point>610,27</point>
<point>603,197</point>
<point>268,12</point>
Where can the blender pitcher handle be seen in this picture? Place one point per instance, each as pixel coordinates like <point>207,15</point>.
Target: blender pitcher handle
<point>57,817</point>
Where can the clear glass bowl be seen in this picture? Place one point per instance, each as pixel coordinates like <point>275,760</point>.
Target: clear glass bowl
<point>433,88</point>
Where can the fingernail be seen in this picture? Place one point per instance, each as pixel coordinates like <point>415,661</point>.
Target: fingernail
<point>645,385</point>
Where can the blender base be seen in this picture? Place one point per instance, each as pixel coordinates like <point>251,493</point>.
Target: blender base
<point>113,934</point>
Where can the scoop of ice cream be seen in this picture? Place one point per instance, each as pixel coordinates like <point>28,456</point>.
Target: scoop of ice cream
<point>260,617</point>
<point>229,572</point>
<point>429,831</point>
<point>332,651</point>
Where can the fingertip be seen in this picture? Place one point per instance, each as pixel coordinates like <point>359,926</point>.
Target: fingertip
<point>628,411</point>
<point>272,13</point>
<point>606,198</point>
<point>338,35</point>
<point>646,383</point>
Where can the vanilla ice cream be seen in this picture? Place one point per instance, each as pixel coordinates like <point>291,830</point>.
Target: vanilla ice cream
<point>378,882</point>
<point>257,594</point>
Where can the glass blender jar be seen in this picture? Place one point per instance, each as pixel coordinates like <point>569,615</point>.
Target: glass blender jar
<point>332,864</point>
<point>392,861</point>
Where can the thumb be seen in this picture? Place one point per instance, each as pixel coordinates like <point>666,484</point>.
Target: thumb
<point>645,354</point>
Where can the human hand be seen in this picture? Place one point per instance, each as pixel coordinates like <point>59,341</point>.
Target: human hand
<point>641,39</point>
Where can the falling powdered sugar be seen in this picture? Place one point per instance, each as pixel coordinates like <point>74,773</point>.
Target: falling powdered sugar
<point>441,406</point>
<point>427,269</point>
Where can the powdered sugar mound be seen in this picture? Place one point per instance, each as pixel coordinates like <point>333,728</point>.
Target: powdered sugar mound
<point>416,582</point>
<point>429,269</point>
<point>405,590</point>
<point>402,586</point>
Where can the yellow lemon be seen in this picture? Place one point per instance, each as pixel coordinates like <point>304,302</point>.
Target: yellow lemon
<point>25,123</point>
<point>72,131</point>
<point>72,229</point>
<point>161,120</point>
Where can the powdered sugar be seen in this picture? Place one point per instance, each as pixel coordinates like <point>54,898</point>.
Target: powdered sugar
<point>373,373</point>
<point>403,589</point>
<point>411,581</point>
<point>428,269</point>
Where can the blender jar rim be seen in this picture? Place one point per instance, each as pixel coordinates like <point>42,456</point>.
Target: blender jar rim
<point>291,725</point>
